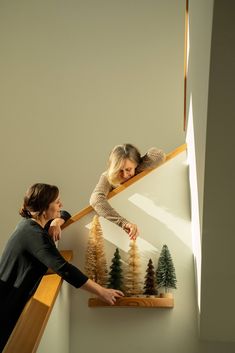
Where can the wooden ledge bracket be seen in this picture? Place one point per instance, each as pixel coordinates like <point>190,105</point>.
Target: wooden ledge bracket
<point>134,302</point>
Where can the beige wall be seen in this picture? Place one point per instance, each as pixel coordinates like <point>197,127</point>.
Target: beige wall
<point>78,77</point>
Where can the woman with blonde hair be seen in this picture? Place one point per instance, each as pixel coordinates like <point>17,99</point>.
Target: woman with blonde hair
<point>125,161</point>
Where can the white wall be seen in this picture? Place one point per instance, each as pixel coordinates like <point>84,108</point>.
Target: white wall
<point>159,204</point>
<point>77,78</point>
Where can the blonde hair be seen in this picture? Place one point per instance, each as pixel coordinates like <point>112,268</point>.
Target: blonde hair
<point>116,158</point>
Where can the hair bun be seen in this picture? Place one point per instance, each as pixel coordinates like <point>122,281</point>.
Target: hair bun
<point>24,212</point>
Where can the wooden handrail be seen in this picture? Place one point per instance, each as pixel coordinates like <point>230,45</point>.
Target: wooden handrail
<point>30,326</point>
<point>120,188</point>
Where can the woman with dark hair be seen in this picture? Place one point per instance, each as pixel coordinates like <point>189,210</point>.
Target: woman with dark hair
<point>28,254</point>
<point>125,161</point>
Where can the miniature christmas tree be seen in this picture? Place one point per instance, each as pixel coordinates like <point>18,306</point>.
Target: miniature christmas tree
<point>101,263</point>
<point>133,283</point>
<point>115,274</point>
<point>165,273</point>
<point>96,264</point>
<point>91,257</point>
<point>150,282</point>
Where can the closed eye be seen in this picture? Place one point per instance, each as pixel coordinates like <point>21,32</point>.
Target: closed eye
<point>126,170</point>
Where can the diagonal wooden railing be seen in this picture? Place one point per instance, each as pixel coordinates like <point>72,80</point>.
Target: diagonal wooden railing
<point>122,187</point>
<point>30,326</point>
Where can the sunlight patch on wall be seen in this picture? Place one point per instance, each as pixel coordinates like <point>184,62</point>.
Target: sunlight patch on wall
<point>119,238</point>
<point>196,236</point>
<point>177,225</point>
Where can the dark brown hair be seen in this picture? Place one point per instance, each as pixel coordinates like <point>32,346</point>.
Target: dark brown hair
<point>38,198</point>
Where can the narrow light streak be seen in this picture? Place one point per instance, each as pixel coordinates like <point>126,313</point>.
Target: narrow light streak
<point>196,236</point>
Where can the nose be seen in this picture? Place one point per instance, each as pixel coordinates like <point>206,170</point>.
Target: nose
<point>126,174</point>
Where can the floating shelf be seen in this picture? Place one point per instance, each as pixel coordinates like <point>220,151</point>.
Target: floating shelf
<point>134,302</point>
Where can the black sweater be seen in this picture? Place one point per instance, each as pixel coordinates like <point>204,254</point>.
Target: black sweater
<point>29,252</point>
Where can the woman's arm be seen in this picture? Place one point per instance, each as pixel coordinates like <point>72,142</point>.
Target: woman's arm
<point>151,159</point>
<point>54,227</point>
<point>48,254</point>
<point>101,205</point>
<point>103,208</point>
<point>108,295</point>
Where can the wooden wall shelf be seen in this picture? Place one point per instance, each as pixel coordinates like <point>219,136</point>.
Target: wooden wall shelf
<point>134,302</point>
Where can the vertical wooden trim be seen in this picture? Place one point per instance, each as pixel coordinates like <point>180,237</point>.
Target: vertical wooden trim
<point>185,62</point>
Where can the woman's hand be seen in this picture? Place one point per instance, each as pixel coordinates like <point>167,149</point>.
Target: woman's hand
<point>132,230</point>
<point>109,295</point>
<point>55,228</point>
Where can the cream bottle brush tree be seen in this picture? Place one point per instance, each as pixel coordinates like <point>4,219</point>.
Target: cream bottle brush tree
<point>91,256</point>
<point>95,263</point>
<point>133,283</point>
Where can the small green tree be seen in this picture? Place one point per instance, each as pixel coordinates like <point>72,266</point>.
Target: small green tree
<point>115,274</point>
<point>150,281</point>
<point>165,274</point>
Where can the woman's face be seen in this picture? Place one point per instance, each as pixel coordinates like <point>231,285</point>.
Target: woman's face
<point>54,209</point>
<point>127,170</point>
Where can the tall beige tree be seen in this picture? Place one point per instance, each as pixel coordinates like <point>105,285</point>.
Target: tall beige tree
<point>133,283</point>
<point>95,263</point>
<point>101,262</point>
<point>91,256</point>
